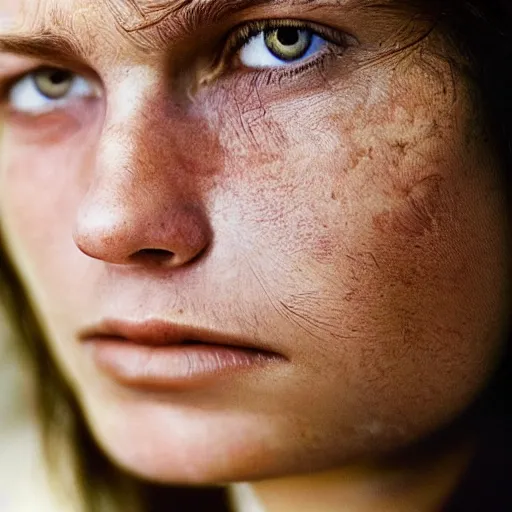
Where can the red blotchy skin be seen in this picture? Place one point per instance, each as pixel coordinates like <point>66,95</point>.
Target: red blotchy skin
<point>350,217</point>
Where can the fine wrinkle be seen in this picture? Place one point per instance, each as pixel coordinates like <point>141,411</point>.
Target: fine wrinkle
<point>422,208</point>
<point>133,15</point>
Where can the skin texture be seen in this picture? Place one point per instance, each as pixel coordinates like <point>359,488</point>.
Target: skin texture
<point>350,218</point>
<point>136,15</point>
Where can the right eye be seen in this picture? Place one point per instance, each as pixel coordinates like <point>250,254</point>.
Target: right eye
<point>48,89</point>
<point>280,47</point>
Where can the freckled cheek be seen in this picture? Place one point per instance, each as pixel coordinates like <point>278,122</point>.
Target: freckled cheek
<point>318,197</point>
<point>284,180</point>
<point>318,189</point>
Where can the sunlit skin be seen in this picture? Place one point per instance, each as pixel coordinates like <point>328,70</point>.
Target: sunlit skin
<point>348,216</point>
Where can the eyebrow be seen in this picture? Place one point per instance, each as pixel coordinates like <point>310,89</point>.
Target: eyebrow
<point>44,45</point>
<point>53,46</point>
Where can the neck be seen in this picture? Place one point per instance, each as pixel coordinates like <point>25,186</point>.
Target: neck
<point>422,486</point>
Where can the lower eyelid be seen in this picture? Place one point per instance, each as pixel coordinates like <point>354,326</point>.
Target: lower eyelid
<point>53,124</point>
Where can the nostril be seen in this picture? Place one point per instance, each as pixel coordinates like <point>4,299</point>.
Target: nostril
<point>158,256</point>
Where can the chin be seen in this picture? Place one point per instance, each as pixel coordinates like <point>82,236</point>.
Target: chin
<point>186,446</point>
<point>194,447</point>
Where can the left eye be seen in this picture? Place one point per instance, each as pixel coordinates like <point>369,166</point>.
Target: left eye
<point>280,46</point>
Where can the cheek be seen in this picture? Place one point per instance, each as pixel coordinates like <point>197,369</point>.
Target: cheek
<point>328,178</point>
<point>377,248</point>
<point>40,192</point>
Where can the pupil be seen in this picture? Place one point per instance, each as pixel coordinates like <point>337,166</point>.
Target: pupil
<point>288,36</point>
<point>59,77</point>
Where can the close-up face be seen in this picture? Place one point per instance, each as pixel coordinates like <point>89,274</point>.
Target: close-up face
<point>262,238</point>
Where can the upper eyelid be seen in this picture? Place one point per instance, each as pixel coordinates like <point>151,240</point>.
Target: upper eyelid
<point>243,32</point>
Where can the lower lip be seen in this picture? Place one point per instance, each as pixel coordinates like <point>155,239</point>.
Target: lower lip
<point>173,366</point>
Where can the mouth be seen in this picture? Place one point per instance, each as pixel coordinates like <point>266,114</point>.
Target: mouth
<point>157,355</point>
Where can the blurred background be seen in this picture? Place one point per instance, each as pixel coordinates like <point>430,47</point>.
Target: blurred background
<point>23,484</point>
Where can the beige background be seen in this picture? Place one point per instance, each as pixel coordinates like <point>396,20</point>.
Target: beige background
<point>22,483</point>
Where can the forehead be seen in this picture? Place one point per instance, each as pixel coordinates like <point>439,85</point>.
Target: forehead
<point>136,14</point>
<point>130,14</point>
<point>100,29</point>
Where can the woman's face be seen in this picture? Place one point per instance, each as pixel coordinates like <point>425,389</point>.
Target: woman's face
<point>322,189</point>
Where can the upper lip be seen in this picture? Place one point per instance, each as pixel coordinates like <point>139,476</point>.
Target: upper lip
<point>161,333</point>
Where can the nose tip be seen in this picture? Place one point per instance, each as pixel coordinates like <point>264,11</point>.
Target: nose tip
<point>152,238</point>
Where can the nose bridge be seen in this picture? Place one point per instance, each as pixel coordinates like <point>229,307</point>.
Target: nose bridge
<point>137,165</point>
<point>149,138</point>
<point>135,157</point>
<point>137,132</point>
<point>142,197</point>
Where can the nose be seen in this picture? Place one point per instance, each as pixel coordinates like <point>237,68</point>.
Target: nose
<point>142,206</point>
<point>124,228</point>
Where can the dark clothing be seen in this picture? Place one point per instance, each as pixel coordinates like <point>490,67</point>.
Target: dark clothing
<point>487,485</point>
